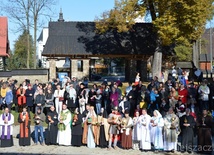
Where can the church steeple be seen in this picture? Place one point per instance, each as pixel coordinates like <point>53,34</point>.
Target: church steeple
<point>61,16</point>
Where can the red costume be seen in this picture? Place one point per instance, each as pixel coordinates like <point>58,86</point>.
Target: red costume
<point>20,93</point>
<point>183,93</point>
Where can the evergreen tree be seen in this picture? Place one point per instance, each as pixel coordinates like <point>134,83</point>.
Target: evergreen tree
<point>18,59</point>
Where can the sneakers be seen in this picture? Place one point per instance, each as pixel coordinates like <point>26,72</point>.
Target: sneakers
<point>35,144</point>
<point>43,144</point>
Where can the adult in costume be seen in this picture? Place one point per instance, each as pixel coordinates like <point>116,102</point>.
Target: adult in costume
<point>24,135</point>
<point>76,139</point>
<point>204,124</point>
<point>187,124</point>
<point>145,119</point>
<point>64,127</point>
<point>171,131</point>
<point>126,131</point>
<point>85,124</point>
<point>114,121</point>
<point>6,128</point>
<point>156,128</point>
<point>102,129</point>
<point>52,130</point>
<point>20,94</point>
<point>91,119</point>
<point>137,131</point>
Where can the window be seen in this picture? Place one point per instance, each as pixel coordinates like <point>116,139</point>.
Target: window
<point>79,65</point>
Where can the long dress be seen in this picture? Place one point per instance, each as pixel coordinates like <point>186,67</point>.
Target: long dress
<point>204,134</point>
<point>145,143</point>
<point>64,128</point>
<point>52,130</point>
<point>77,131</point>
<point>103,131</point>
<point>156,132</point>
<point>126,134</point>
<point>6,130</point>
<point>136,132</point>
<point>171,132</point>
<point>92,132</point>
<point>24,137</point>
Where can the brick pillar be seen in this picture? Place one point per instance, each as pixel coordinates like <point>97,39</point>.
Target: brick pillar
<point>52,68</point>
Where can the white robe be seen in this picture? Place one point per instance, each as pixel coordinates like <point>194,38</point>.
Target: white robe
<point>58,104</point>
<point>64,137</point>
<point>9,123</point>
<point>137,129</point>
<point>168,145</point>
<point>145,143</point>
<point>156,132</point>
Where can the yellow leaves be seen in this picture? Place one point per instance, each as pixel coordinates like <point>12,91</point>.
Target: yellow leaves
<point>176,20</point>
<point>122,17</point>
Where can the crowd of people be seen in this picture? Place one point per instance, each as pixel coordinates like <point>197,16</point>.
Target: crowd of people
<point>141,117</point>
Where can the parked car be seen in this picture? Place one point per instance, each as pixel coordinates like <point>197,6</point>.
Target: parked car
<point>95,77</point>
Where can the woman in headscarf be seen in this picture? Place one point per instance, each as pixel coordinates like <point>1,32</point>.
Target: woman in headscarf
<point>102,129</point>
<point>156,128</point>
<point>126,131</point>
<point>92,126</point>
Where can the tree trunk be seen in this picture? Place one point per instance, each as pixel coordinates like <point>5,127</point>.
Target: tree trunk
<point>157,60</point>
<point>28,46</point>
<point>156,65</point>
<point>28,34</point>
<point>34,44</point>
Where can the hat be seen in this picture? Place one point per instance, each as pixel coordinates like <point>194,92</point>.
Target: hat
<point>29,85</point>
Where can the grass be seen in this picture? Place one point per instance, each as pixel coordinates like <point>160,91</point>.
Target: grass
<point>16,115</point>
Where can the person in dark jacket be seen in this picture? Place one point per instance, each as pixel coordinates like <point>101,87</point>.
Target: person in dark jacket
<point>77,129</point>
<point>29,93</point>
<point>40,100</point>
<point>132,96</point>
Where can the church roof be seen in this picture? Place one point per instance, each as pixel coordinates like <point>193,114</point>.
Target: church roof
<point>80,38</point>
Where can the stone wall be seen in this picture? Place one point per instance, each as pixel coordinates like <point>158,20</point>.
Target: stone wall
<point>20,75</point>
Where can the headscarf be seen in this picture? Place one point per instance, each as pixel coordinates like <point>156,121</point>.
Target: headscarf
<point>158,114</point>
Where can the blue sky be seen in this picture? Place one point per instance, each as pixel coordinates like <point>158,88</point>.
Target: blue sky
<point>73,10</point>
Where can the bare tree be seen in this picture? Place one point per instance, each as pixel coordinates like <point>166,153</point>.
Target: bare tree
<point>39,8</point>
<point>19,12</point>
<point>27,14</point>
